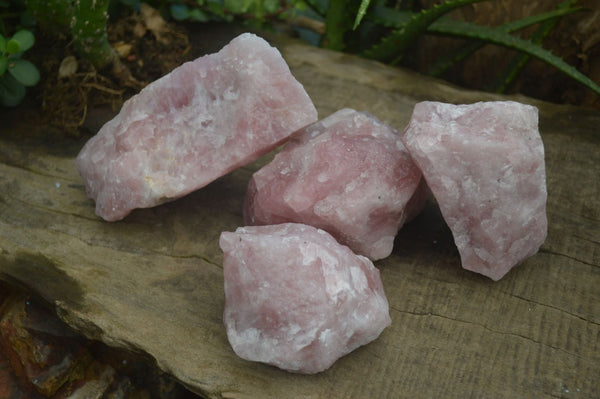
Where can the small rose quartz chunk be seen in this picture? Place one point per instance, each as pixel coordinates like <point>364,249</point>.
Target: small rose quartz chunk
<point>348,174</point>
<point>484,163</point>
<point>199,122</point>
<point>297,299</point>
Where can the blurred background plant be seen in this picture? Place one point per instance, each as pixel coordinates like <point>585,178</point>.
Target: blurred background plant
<point>16,73</point>
<point>391,31</point>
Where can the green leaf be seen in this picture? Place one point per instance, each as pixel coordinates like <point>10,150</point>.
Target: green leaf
<point>217,9</point>
<point>393,47</point>
<point>503,38</point>
<point>3,65</point>
<point>179,12</point>
<point>362,10</point>
<point>2,44</point>
<point>25,39</point>
<point>11,91</point>
<point>197,15</point>
<point>24,72</point>
<point>13,47</point>
<point>518,62</point>
<point>238,6</point>
<point>389,17</point>
<point>446,61</point>
<point>270,6</point>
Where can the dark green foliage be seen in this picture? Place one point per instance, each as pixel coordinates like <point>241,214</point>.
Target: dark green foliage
<point>497,36</point>
<point>444,62</point>
<point>86,21</point>
<point>518,62</point>
<point>386,30</point>
<point>408,25</point>
<point>88,28</point>
<point>393,47</point>
<point>339,21</point>
<point>52,16</point>
<point>16,73</point>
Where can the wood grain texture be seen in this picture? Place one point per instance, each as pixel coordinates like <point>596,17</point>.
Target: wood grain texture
<point>153,282</point>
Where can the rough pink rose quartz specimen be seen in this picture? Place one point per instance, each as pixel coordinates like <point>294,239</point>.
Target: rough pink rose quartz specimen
<point>348,174</point>
<point>484,163</point>
<point>297,299</point>
<point>199,122</point>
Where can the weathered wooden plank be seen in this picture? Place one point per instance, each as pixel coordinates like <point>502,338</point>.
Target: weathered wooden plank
<point>153,282</point>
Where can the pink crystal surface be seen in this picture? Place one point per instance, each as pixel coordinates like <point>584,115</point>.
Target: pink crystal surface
<point>484,163</point>
<point>297,299</point>
<point>199,122</point>
<point>348,174</point>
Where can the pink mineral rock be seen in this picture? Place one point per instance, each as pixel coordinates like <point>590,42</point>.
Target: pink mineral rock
<point>348,174</point>
<point>297,299</point>
<point>201,121</point>
<point>484,163</point>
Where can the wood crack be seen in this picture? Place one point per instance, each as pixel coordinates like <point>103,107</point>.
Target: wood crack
<point>553,308</point>
<point>37,172</point>
<point>149,251</point>
<point>548,251</point>
<point>511,334</point>
<point>50,210</point>
<point>587,239</point>
<point>193,256</point>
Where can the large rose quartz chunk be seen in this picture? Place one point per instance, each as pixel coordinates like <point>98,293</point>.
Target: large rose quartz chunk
<point>484,163</point>
<point>297,299</point>
<point>199,122</point>
<point>348,174</point>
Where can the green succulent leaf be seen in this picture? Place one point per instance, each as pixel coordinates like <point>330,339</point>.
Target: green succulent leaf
<point>13,47</point>
<point>3,65</point>
<point>24,72</point>
<point>25,40</point>
<point>11,91</point>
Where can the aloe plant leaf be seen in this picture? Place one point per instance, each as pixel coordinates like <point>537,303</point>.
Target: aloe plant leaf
<point>446,61</point>
<point>518,62</point>
<point>503,38</point>
<point>393,46</point>
<point>362,10</point>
